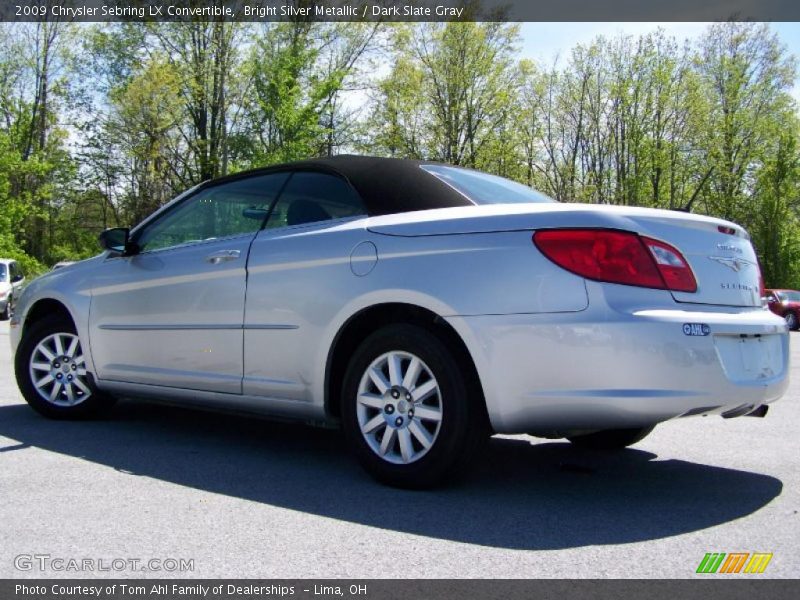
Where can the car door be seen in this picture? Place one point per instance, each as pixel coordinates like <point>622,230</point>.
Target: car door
<point>772,302</point>
<point>171,315</point>
<point>298,271</point>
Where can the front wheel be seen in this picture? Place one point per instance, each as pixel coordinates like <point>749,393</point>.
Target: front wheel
<point>791,320</point>
<point>611,439</point>
<point>51,372</point>
<point>406,410</point>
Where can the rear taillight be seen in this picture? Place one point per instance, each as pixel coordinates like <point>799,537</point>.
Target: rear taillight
<point>677,275</point>
<point>617,257</point>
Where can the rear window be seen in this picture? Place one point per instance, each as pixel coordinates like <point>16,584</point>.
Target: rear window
<point>483,188</point>
<point>310,197</point>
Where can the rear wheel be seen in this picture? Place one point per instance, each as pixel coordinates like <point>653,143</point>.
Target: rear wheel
<point>791,320</point>
<point>406,411</point>
<point>611,439</point>
<point>51,372</point>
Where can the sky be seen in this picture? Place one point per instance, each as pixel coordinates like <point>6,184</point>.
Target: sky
<point>543,42</point>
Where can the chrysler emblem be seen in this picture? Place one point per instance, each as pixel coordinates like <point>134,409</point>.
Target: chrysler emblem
<point>732,262</point>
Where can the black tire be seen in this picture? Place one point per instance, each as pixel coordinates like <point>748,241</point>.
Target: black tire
<point>94,405</point>
<point>462,427</point>
<point>791,321</point>
<point>611,439</point>
<point>6,314</point>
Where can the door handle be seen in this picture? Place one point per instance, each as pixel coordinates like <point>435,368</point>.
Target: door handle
<point>223,256</point>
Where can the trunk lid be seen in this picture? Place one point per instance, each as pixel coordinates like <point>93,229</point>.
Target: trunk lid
<point>720,255</point>
<point>719,252</point>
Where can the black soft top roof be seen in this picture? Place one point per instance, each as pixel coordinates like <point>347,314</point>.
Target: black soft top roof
<point>386,185</point>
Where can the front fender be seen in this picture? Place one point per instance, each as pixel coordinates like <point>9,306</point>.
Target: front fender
<point>70,290</point>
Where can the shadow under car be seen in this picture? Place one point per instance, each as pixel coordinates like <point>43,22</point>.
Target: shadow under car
<point>519,495</point>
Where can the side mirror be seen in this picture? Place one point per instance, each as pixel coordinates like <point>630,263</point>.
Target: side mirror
<point>117,240</point>
<point>17,278</point>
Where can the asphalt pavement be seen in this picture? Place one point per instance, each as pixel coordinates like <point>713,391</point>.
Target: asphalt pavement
<point>209,495</point>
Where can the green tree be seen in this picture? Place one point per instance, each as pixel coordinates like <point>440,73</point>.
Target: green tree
<point>299,71</point>
<point>38,168</point>
<point>746,76</point>
<point>774,220</point>
<point>450,92</point>
<point>144,121</point>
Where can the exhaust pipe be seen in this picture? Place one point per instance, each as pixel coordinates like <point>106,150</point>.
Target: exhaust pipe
<point>746,410</point>
<point>761,411</point>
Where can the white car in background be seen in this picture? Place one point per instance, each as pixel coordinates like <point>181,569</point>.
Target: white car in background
<point>11,282</point>
<point>419,305</point>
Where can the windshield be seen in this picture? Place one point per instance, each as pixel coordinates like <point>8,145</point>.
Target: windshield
<point>483,188</point>
<point>789,296</point>
<point>3,272</point>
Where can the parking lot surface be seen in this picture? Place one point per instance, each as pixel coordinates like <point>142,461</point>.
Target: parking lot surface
<point>242,497</point>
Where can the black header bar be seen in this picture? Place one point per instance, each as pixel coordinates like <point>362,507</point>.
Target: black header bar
<point>745,587</point>
<point>399,10</point>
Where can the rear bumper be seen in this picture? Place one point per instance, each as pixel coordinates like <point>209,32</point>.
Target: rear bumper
<point>553,373</point>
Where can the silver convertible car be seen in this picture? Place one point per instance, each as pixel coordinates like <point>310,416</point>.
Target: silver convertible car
<point>421,306</point>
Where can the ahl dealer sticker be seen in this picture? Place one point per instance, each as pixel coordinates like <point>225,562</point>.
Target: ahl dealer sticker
<point>696,329</point>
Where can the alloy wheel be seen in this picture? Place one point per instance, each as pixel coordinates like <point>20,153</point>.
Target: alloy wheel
<point>399,407</point>
<point>58,370</point>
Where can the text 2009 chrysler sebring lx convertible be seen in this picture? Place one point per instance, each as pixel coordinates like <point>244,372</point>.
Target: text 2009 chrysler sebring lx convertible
<point>420,305</point>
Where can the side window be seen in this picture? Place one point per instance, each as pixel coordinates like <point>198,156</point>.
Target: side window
<point>310,197</point>
<point>224,210</point>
